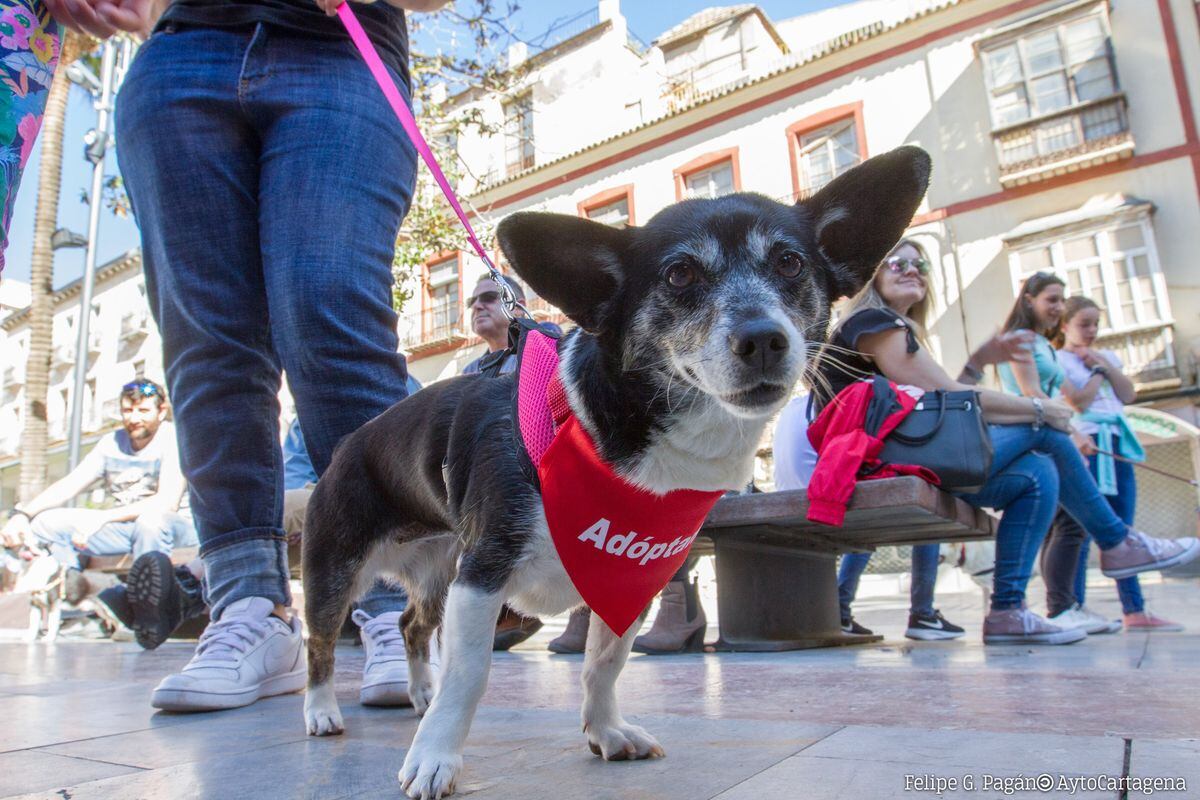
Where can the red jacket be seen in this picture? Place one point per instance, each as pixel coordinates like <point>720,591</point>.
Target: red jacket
<point>848,435</point>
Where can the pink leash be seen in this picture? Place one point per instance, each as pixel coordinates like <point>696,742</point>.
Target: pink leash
<point>394,98</point>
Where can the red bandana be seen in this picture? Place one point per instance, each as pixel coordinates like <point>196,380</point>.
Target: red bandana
<point>620,544</point>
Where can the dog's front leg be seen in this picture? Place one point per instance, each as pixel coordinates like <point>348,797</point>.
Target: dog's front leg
<point>435,758</point>
<point>608,734</point>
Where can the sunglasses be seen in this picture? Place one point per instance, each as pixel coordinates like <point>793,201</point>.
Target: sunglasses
<point>899,265</point>
<point>484,297</point>
<point>143,388</point>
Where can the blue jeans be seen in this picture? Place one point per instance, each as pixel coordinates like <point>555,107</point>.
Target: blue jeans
<point>1032,472</point>
<point>59,527</point>
<point>269,179</point>
<point>924,578</point>
<point>1065,554</point>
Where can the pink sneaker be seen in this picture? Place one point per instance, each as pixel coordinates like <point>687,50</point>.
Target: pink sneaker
<point>1022,626</point>
<point>1146,622</point>
<point>1141,553</point>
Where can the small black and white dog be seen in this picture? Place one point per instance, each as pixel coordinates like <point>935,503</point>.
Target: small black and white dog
<point>692,332</point>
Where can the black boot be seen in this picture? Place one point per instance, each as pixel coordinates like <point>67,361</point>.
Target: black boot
<point>162,596</point>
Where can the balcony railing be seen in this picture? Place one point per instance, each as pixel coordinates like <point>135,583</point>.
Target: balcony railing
<point>432,327</point>
<point>1064,141</point>
<point>1148,354</point>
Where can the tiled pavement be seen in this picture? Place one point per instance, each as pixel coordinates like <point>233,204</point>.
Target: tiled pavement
<point>850,723</point>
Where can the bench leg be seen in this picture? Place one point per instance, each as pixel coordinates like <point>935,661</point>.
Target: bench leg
<point>771,598</point>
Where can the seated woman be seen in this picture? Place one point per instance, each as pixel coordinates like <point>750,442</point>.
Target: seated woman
<point>1032,452</point>
<point>1093,385</point>
<point>795,459</point>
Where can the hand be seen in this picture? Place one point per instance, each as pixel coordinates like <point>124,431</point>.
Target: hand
<point>1011,346</point>
<point>16,531</point>
<point>1083,442</point>
<point>135,16</point>
<point>1091,358</point>
<point>81,16</point>
<point>1057,415</point>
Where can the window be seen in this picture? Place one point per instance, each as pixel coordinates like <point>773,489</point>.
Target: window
<point>710,175</point>
<point>711,182</point>
<point>827,153</point>
<point>1114,264</point>
<point>1049,70</point>
<point>612,207</point>
<point>444,308</point>
<point>615,213</point>
<point>518,134</point>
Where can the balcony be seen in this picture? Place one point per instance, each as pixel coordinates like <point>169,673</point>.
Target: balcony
<point>135,325</point>
<point>12,382</point>
<point>438,329</point>
<point>63,355</point>
<point>1148,354</point>
<point>1064,141</point>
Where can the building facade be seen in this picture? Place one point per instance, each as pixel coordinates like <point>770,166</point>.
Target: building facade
<point>1063,135</point>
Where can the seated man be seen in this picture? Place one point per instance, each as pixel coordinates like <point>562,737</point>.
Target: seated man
<point>138,467</point>
<point>489,323</point>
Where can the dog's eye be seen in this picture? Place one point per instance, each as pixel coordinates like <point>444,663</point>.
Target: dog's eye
<point>681,274</point>
<point>790,264</point>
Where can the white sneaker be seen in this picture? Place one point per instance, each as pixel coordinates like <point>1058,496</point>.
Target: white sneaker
<point>385,669</point>
<point>1102,623</point>
<point>247,654</point>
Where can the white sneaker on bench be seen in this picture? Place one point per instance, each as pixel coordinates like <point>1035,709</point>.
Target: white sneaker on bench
<point>248,654</point>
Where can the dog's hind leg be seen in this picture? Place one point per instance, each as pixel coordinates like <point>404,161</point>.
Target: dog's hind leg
<point>331,573</point>
<point>421,620</point>
<point>435,758</point>
<point>608,734</point>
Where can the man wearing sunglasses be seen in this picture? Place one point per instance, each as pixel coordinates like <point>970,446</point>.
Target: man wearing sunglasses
<point>138,468</point>
<point>489,322</point>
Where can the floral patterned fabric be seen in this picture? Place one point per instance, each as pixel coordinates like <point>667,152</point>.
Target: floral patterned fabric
<point>29,48</point>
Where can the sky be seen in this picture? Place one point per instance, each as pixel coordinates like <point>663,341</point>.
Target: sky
<point>646,18</point>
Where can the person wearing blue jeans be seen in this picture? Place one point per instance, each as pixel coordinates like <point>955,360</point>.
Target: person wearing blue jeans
<point>924,579</point>
<point>1035,464</point>
<point>269,179</point>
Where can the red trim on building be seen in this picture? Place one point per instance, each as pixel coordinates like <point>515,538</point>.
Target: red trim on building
<point>426,291</point>
<point>816,122</point>
<point>606,197</point>
<point>1182,93</point>
<point>707,161</point>
<point>1098,171</point>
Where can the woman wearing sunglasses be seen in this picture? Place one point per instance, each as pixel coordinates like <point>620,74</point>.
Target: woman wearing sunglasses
<point>1035,465</point>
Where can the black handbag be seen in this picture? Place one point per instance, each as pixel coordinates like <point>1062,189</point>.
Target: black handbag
<point>944,433</point>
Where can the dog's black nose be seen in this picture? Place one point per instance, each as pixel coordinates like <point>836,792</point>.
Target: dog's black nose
<point>760,343</point>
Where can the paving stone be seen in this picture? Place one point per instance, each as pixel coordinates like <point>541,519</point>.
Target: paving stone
<point>35,771</point>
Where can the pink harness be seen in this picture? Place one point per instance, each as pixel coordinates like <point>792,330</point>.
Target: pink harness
<point>618,543</point>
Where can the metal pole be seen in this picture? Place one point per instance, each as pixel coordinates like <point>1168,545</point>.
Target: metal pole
<point>97,152</point>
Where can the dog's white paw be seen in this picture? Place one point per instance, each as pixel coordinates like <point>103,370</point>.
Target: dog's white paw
<point>623,742</point>
<point>429,775</point>
<point>322,718</point>
<point>421,695</point>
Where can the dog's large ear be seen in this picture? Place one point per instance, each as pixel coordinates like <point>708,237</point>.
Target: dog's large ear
<point>862,213</point>
<point>573,262</point>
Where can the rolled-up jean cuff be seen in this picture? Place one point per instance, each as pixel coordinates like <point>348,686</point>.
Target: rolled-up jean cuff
<point>246,563</point>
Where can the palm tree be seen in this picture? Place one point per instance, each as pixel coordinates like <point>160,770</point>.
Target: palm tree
<point>35,434</point>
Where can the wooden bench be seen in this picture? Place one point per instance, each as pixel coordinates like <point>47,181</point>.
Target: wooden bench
<point>776,571</point>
